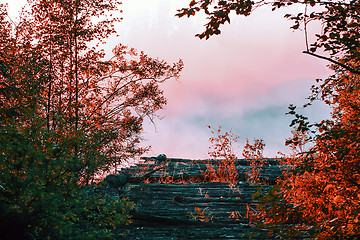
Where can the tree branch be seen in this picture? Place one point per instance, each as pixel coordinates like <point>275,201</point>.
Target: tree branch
<point>350,69</point>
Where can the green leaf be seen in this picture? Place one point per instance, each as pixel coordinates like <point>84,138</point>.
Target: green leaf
<point>191,12</point>
<point>296,26</point>
<point>327,46</point>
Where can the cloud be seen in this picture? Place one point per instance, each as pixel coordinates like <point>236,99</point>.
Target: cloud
<point>186,135</point>
<point>243,79</point>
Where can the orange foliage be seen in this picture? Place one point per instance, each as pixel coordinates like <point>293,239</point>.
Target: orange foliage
<point>254,155</point>
<point>96,105</point>
<point>320,193</point>
<point>221,149</point>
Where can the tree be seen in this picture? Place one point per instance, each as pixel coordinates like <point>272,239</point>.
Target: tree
<point>68,114</point>
<point>318,196</point>
<point>105,100</point>
<point>222,150</point>
<point>324,182</point>
<point>253,153</point>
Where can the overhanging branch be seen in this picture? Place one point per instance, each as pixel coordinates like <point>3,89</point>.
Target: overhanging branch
<point>350,69</point>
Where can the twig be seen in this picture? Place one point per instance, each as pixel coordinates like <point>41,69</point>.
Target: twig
<point>305,29</point>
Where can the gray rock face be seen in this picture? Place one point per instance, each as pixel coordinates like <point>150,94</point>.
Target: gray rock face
<point>169,211</point>
<point>116,181</point>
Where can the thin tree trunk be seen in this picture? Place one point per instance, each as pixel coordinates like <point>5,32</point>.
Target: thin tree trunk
<point>49,100</point>
<point>76,72</point>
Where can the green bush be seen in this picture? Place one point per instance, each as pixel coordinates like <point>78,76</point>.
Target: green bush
<point>41,197</point>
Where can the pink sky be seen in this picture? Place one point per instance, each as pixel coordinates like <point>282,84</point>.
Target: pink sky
<point>243,79</point>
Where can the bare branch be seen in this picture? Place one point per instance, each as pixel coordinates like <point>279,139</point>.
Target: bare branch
<point>350,69</point>
<point>305,28</point>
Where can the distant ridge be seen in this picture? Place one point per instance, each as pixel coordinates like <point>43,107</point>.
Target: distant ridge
<point>240,161</point>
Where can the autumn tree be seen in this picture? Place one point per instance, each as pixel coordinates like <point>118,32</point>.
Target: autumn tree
<point>324,182</point>
<point>318,196</point>
<point>68,113</point>
<point>253,153</point>
<point>222,151</point>
<point>101,100</point>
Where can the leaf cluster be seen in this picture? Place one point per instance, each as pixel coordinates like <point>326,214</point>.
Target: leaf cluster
<point>339,20</point>
<point>323,181</point>
<point>222,149</point>
<point>253,153</point>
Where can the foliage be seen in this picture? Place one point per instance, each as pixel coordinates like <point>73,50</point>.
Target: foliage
<point>222,149</point>
<point>201,215</point>
<point>321,189</point>
<point>318,196</point>
<point>340,34</point>
<point>254,155</point>
<point>67,115</point>
<point>281,218</point>
<point>324,180</point>
<point>40,201</point>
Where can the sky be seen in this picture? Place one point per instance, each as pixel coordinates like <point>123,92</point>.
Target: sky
<point>242,80</point>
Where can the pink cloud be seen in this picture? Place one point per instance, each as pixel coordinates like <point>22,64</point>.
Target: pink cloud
<point>247,76</point>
